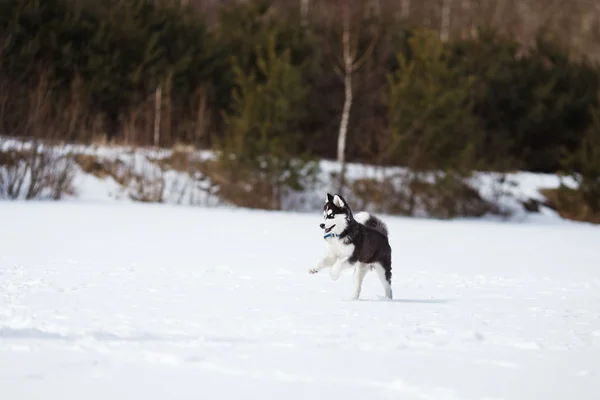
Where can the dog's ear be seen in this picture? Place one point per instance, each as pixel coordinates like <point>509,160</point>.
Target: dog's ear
<point>328,198</point>
<point>338,201</point>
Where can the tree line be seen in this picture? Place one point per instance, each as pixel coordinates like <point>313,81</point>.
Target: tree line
<point>432,85</point>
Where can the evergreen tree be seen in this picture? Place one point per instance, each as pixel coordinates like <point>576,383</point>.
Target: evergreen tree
<point>262,137</point>
<point>584,164</point>
<point>432,130</point>
<point>431,125</point>
<point>532,105</point>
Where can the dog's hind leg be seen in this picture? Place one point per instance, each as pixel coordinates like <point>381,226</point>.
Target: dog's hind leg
<point>359,275</point>
<point>385,277</point>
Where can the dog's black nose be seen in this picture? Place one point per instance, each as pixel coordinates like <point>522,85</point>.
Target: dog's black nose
<point>322,226</point>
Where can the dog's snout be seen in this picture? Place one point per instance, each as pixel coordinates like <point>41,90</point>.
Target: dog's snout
<point>322,226</point>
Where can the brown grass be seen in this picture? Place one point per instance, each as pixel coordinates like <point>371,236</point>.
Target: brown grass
<point>570,204</point>
<point>445,198</point>
<point>242,188</point>
<point>381,194</point>
<point>452,197</point>
<point>101,169</point>
<point>182,160</point>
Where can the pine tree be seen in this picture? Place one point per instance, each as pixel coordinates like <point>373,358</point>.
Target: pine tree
<point>261,134</point>
<point>431,125</point>
<point>432,130</point>
<point>585,164</point>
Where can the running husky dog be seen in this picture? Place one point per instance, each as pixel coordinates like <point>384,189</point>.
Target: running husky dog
<point>360,243</point>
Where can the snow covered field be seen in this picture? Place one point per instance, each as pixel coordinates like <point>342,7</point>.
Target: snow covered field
<point>131,301</point>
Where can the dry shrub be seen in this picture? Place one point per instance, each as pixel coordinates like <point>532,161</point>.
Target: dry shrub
<point>239,187</point>
<point>146,185</point>
<point>570,204</point>
<point>451,197</point>
<point>444,196</point>
<point>104,168</point>
<point>37,165</point>
<point>181,159</point>
<point>13,171</point>
<point>34,171</point>
<point>244,188</point>
<point>380,195</point>
<point>196,179</point>
<point>92,165</point>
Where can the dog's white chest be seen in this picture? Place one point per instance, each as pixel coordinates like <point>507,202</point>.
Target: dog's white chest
<point>338,248</point>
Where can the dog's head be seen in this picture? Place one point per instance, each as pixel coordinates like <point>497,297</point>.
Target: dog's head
<point>336,213</point>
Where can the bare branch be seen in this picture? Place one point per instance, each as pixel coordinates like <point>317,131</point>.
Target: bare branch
<point>338,71</point>
<point>359,63</point>
<point>347,55</point>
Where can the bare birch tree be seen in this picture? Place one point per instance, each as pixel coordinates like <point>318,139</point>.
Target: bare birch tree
<point>157,110</point>
<point>405,9</point>
<point>445,23</point>
<point>467,29</point>
<point>350,62</point>
<point>304,7</point>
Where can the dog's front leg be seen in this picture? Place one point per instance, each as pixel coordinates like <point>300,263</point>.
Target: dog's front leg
<point>325,262</point>
<point>340,264</point>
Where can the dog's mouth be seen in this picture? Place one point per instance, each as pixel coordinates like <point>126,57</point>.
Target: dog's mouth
<point>329,229</point>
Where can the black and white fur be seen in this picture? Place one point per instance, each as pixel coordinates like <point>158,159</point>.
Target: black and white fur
<point>359,242</point>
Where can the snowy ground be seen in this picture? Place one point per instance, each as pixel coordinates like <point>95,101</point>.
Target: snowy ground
<point>130,301</point>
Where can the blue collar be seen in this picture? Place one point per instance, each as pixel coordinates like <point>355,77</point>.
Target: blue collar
<point>331,235</point>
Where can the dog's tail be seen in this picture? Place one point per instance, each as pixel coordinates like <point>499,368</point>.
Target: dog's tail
<point>371,221</point>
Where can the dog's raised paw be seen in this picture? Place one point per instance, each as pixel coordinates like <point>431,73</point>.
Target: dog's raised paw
<point>334,274</point>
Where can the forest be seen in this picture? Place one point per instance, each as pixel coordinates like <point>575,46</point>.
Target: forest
<point>451,86</point>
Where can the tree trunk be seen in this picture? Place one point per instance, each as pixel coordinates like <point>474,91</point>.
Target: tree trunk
<point>498,13</point>
<point>405,9</point>
<point>304,6</point>
<point>468,28</point>
<point>445,24</point>
<point>201,117</point>
<point>157,105</point>
<point>375,8</point>
<point>343,132</point>
<point>167,118</point>
<point>348,69</point>
<point>131,129</point>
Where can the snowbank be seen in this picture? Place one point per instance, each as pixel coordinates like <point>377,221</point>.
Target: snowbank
<point>171,186</point>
